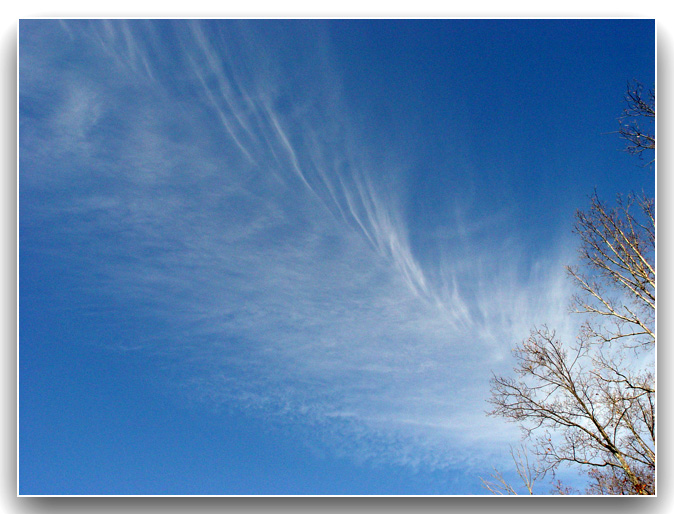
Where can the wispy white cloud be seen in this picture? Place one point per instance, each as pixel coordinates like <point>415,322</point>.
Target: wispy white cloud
<point>280,258</point>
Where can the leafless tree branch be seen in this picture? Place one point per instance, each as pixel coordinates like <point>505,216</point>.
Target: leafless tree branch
<point>592,403</point>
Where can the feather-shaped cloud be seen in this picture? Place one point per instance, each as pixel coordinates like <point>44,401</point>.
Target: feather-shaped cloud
<point>247,216</point>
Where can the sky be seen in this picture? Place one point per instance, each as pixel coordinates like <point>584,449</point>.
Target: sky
<point>286,256</point>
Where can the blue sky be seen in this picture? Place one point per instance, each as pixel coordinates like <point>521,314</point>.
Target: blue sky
<point>284,257</point>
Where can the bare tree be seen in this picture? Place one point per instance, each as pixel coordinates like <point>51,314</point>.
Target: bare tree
<point>617,282</point>
<point>527,471</point>
<point>592,402</point>
<point>610,482</point>
<point>638,120</point>
<point>581,404</point>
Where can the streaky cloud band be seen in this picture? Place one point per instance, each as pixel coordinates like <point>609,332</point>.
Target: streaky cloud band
<point>247,214</point>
